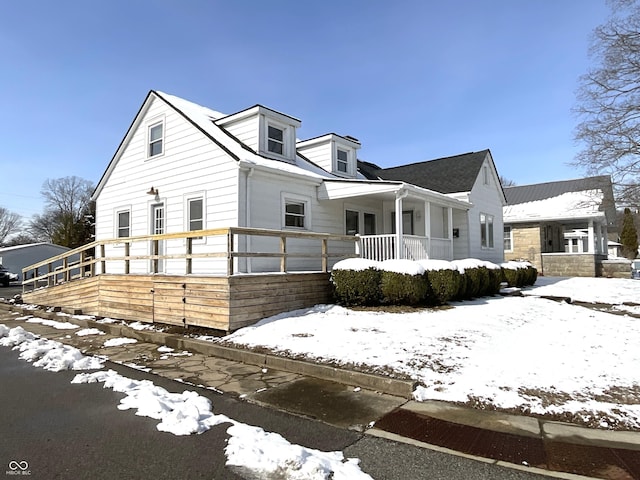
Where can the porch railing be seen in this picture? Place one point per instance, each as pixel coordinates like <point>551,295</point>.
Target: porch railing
<point>414,247</point>
<point>95,258</point>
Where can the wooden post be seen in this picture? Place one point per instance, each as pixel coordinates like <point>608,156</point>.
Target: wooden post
<point>103,263</point>
<point>154,251</point>
<point>189,268</point>
<point>283,252</point>
<point>229,252</point>
<point>50,278</point>
<point>324,255</point>
<point>65,265</point>
<point>127,251</point>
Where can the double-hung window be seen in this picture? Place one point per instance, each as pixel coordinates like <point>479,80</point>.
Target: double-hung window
<point>508,239</point>
<point>195,214</point>
<point>124,224</point>
<point>342,161</point>
<point>156,139</point>
<point>486,230</point>
<point>294,214</point>
<point>275,140</point>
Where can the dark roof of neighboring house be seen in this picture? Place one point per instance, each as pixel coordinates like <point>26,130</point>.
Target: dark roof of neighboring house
<point>540,191</point>
<point>445,175</point>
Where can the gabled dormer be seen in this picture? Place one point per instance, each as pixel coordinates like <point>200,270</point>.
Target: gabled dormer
<point>265,131</point>
<point>334,153</point>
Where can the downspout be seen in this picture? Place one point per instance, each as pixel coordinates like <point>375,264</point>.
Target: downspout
<point>400,194</point>
<point>249,167</point>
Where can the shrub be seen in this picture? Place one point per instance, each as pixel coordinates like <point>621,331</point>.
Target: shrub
<point>531,275</point>
<point>513,276</point>
<point>495,279</point>
<point>357,287</point>
<point>478,281</point>
<point>404,289</point>
<point>444,285</point>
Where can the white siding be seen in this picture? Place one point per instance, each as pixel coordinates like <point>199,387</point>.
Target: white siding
<point>247,131</point>
<point>320,154</point>
<point>486,198</point>
<point>190,163</point>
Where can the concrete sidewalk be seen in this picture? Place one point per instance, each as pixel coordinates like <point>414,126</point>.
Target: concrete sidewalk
<point>368,403</point>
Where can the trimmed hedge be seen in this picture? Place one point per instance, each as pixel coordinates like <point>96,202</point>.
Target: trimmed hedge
<point>357,287</point>
<point>445,285</point>
<point>375,285</point>
<point>403,289</point>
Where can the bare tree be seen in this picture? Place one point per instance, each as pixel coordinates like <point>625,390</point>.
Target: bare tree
<point>67,201</point>
<point>9,223</point>
<point>608,103</point>
<point>507,182</point>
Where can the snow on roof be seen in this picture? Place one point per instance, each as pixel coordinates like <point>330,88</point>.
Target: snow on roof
<point>30,245</point>
<point>568,205</point>
<point>203,117</point>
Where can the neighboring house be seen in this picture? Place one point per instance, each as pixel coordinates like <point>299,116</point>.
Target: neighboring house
<point>18,257</point>
<point>561,227</point>
<point>183,167</point>
<point>470,177</point>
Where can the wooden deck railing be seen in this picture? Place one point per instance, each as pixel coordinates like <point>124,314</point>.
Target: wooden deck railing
<point>92,259</point>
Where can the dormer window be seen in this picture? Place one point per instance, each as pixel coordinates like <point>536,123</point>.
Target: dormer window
<point>275,140</point>
<point>342,161</point>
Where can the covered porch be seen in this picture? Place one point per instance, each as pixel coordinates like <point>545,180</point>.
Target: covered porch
<point>424,230</point>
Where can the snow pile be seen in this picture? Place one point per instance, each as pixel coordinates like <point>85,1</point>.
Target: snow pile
<point>463,265</point>
<point>47,354</point>
<point>179,413</point>
<point>356,264</point>
<point>89,331</point>
<point>53,323</point>
<point>405,267</point>
<point>271,455</point>
<point>436,265</point>
<point>116,342</point>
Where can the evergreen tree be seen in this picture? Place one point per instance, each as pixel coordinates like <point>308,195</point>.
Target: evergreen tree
<point>629,236</point>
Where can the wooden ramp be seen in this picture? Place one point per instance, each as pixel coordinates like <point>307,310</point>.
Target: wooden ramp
<point>219,302</point>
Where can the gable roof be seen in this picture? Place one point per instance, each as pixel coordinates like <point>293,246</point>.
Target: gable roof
<point>540,191</point>
<point>578,198</point>
<point>445,175</point>
<point>205,120</point>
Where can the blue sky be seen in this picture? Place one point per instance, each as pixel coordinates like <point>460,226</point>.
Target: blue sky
<point>412,80</point>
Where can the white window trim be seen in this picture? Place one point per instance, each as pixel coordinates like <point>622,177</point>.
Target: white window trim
<point>348,161</point>
<point>116,222</point>
<point>153,123</point>
<point>510,237</point>
<point>288,148</point>
<point>485,226</point>
<point>187,219</point>
<point>295,198</point>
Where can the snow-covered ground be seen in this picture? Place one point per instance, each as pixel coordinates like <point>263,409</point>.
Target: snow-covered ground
<point>526,354</point>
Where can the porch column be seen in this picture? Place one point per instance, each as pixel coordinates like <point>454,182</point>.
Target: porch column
<point>427,226</point>
<point>400,194</point>
<point>450,231</point>
<point>590,242</point>
<point>605,240</point>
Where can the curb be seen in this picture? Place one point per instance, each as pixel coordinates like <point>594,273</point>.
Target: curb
<point>390,386</point>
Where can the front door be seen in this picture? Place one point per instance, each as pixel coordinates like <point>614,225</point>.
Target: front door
<point>157,228</point>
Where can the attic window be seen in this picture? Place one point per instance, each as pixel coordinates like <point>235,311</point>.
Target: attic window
<point>342,161</point>
<point>275,140</point>
<point>156,139</point>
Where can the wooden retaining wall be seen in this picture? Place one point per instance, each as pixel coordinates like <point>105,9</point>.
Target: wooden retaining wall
<point>223,303</point>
